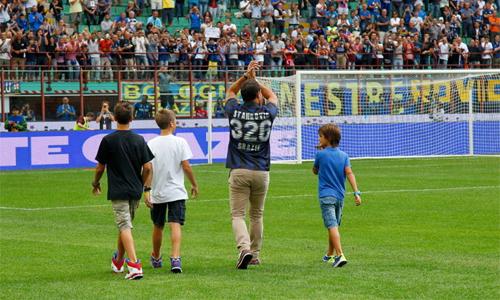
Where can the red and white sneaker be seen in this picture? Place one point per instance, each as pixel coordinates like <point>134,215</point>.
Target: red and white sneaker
<point>134,270</point>
<point>117,265</point>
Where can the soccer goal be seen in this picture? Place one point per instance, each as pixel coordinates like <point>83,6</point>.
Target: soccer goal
<point>387,114</point>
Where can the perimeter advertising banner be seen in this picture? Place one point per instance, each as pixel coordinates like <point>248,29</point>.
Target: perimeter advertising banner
<point>77,149</point>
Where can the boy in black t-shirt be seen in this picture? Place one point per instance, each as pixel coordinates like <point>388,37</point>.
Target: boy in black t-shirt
<point>124,153</point>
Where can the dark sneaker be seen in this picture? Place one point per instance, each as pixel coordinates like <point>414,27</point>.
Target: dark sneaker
<point>243,260</point>
<point>156,262</point>
<point>327,258</point>
<point>254,262</point>
<point>339,261</point>
<point>175,265</point>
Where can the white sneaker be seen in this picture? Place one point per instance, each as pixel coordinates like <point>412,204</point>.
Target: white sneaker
<point>134,270</point>
<point>116,265</point>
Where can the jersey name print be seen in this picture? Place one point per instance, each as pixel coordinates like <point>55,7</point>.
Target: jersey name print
<point>250,131</point>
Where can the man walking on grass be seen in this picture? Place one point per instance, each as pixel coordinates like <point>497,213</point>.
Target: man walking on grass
<point>248,159</point>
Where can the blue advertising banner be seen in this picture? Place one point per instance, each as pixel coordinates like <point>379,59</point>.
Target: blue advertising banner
<point>77,149</point>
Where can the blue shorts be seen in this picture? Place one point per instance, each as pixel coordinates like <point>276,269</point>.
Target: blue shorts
<point>331,209</point>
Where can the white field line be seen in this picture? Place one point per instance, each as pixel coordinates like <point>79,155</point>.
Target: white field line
<point>460,188</point>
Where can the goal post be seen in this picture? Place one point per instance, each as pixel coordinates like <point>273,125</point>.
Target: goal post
<point>400,113</point>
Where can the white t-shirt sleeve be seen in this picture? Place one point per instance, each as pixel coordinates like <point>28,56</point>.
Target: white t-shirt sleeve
<point>186,151</point>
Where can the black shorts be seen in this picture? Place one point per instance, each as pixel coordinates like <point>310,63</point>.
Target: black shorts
<point>176,212</point>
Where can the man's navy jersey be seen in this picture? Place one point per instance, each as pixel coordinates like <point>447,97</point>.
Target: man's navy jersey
<point>250,130</point>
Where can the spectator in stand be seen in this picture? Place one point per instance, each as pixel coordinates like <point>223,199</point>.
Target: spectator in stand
<point>75,10</point>
<point>15,121</point>
<point>156,5</point>
<point>496,51</point>
<point>256,12</point>
<point>475,54</point>
<point>444,50</point>
<point>155,20</point>
<point>5,53</point>
<point>466,14</point>
<point>126,50</point>
<point>71,49</point>
<point>168,12</point>
<point>56,9</point>
<point>203,5</point>
<point>91,12</point>
<point>140,43</point>
<point>66,111</point>
<point>95,57</point>
<point>229,29</point>
<point>18,52</point>
<point>105,117</point>
<point>279,19</point>
<point>383,22</point>
<point>103,9</point>
<point>397,60</point>
<point>194,18</point>
<point>293,16</point>
<point>107,24</point>
<point>268,14</point>
<point>245,9</point>
<point>179,8</point>
<point>5,9</point>
<point>277,46</point>
<point>105,49</point>
<point>35,19</point>
<point>143,110</point>
<point>289,53</point>
<point>487,50</point>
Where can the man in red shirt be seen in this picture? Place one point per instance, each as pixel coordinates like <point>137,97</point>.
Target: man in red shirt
<point>105,46</point>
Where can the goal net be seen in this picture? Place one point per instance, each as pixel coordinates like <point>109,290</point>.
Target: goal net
<point>402,113</point>
<point>388,113</point>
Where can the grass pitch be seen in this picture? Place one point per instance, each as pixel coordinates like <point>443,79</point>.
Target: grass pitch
<point>428,228</point>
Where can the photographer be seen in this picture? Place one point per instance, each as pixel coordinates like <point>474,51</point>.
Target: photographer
<point>105,117</point>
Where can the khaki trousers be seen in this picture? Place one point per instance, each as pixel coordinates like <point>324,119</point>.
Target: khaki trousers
<point>248,187</point>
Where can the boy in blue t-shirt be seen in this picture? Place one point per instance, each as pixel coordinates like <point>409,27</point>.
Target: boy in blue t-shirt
<point>332,167</point>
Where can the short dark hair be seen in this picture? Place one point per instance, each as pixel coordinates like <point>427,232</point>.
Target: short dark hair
<point>164,118</point>
<point>331,132</point>
<point>249,90</point>
<point>123,112</point>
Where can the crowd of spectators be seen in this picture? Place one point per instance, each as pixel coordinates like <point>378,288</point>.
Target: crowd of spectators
<point>280,35</point>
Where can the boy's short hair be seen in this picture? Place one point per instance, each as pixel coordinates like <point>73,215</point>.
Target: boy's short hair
<point>249,90</point>
<point>331,132</point>
<point>164,118</point>
<point>123,112</point>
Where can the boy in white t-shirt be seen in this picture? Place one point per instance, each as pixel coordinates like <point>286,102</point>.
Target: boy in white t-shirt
<point>171,162</point>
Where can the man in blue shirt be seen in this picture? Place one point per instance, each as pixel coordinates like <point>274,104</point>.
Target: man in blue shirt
<point>65,111</point>
<point>249,159</point>
<point>35,19</point>
<point>143,110</point>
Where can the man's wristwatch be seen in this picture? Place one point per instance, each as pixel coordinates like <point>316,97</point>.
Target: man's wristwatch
<point>245,76</point>
<point>357,193</point>
<point>147,189</point>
